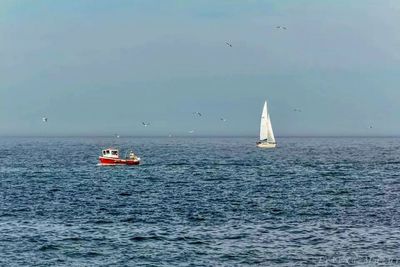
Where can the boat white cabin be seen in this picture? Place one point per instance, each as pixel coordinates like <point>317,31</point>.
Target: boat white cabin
<point>110,153</point>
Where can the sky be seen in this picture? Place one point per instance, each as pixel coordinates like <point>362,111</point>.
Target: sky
<point>100,67</point>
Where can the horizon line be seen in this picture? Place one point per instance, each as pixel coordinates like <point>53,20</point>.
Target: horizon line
<point>196,136</point>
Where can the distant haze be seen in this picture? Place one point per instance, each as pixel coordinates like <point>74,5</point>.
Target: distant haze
<point>100,67</point>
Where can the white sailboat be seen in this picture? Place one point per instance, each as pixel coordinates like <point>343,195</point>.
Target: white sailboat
<point>267,138</point>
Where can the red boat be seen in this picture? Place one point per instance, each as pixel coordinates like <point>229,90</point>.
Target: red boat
<point>110,156</point>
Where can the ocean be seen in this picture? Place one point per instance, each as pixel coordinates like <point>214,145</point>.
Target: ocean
<point>200,202</point>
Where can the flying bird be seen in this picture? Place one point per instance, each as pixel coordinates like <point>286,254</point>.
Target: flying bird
<point>191,131</point>
<point>44,119</point>
<point>222,119</point>
<point>281,27</point>
<point>297,110</point>
<point>145,124</point>
<point>228,44</point>
<point>197,114</point>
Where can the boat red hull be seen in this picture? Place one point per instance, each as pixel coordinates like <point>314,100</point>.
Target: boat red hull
<point>114,161</point>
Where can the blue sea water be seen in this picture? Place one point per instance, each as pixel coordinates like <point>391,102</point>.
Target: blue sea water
<point>200,202</point>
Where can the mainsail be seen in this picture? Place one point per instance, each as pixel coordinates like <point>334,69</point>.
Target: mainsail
<point>264,123</point>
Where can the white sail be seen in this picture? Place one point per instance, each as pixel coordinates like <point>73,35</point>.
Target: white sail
<point>264,123</point>
<point>266,132</point>
<point>270,132</point>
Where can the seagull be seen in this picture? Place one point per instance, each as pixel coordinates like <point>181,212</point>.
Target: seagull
<point>370,126</point>
<point>145,124</point>
<point>191,131</point>
<point>222,119</point>
<point>297,110</point>
<point>228,44</point>
<point>44,119</point>
<point>197,114</point>
<point>281,27</point>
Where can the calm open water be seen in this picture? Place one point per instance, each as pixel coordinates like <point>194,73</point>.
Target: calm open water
<point>200,201</point>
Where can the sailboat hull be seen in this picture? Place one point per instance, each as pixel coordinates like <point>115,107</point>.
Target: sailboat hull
<point>266,145</point>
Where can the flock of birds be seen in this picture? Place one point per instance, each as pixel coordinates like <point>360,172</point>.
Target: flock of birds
<point>147,124</point>
<point>199,114</point>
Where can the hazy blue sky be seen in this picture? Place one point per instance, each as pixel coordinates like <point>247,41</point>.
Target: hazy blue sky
<point>100,67</point>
